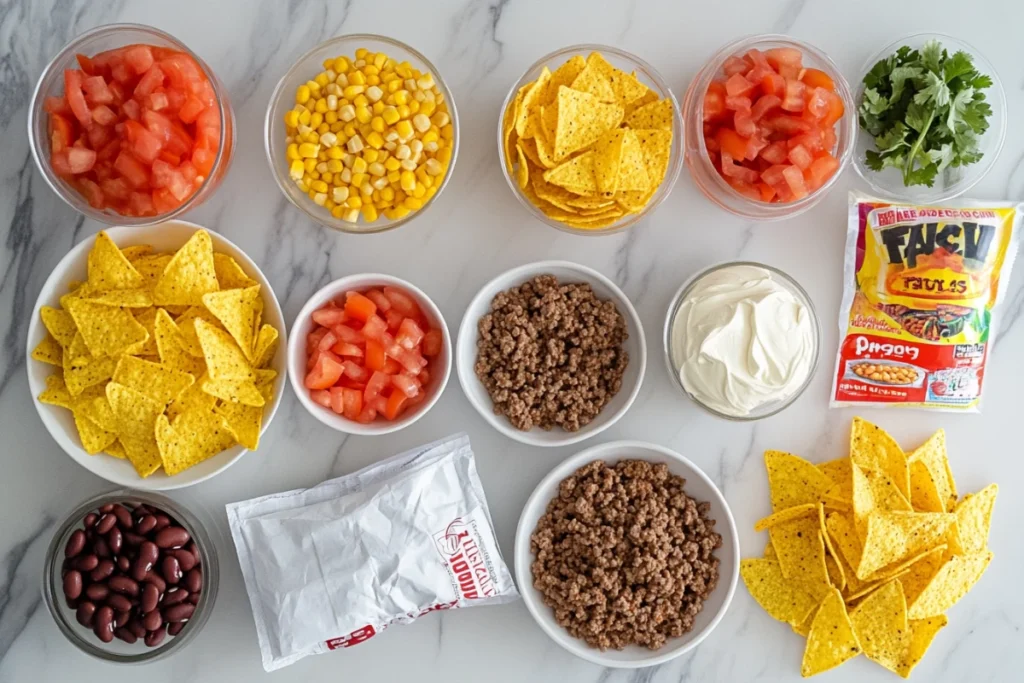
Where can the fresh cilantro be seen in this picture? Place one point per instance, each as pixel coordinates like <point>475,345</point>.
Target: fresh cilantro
<point>925,110</point>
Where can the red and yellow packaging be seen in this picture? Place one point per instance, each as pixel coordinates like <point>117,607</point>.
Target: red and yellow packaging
<point>920,293</point>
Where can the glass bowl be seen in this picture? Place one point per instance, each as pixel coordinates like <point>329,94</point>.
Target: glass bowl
<point>952,182</point>
<point>51,83</point>
<point>766,409</point>
<point>283,99</point>
<point>118,651</point>
<point>704,174</point>
<point>647,75</point>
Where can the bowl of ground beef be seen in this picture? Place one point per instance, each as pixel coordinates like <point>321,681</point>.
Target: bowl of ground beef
<point>627,555</point>
<point>551,353</point>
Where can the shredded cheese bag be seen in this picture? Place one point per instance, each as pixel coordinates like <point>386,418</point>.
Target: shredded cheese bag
<point>920,293</point>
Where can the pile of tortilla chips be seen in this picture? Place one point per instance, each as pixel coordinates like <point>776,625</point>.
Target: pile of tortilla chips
<point>867,552</point>
<point>588,144</point>
<point>162,358</point>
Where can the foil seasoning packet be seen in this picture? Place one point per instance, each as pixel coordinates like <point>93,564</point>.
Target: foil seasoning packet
<point>331,566</point>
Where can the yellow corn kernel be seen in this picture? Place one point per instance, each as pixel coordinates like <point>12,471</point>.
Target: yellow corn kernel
<point>387,194</point>
<point>304,117</point>
<point>404,129</point>
<point>379,60</point>
<point>338,211</point>
<point>329,204</point>
<point>357,78</point>
<point>413,203</point>
<point>319,198</point>
<point>292,152</point>
<point>310,164</point>
<point>369,213</point>
<point>390,115</point>
<point>354,202</point>
<point>331,117</point>
<point>323,129</point>
<point>375,139</point>
<point>404,70</point>
<point>404,111</point>
<point>320,106</point>
<point>377,124</point>
<point>321,79</point>
<point>327,177</point>
<point>447,132</point>
<point>358,179</point>
<point>334,166</point>
<point>302,94</point>
<point>351,91</point>
<point>359,165</point>
<point>428,182</point>
<point>394,176</point>
<point>361,53</point>
<point>337,126</point>
<point>408,181</point>
<point>340,65</point>
<point>335,153</point>
<point>427,107</point>
<point>296,170</point>
<point>419,191</point>
<point>350,129</point>
<point>314,87</point>
<point>370,154</point>
<point>361,100</point>
<point>430,136</point>
<point>308,150</point>
<point>444,156</point>
<point>312,137</point>
<point>316,118</point>
<point>291,118</point>
<point>394,86</point>
<point>319,186</point>
<point>402,97</point>
<point>392,164</point>
<point>327,63</point>
<point>363,114</point>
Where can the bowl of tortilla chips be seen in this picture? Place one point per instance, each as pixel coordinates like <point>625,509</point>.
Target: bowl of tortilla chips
<point>590,139</point>
<point>156,355</point>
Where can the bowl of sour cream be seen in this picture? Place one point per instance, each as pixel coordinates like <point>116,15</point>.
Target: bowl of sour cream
<point>742,340</point>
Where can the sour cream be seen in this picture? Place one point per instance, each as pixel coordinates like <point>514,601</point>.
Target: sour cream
<point>742,339</point>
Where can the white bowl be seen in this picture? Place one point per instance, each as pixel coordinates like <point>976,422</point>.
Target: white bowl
<point>699,487</point>
<point>439,371</point>
<point>164,237</point>
<point>566,272</point>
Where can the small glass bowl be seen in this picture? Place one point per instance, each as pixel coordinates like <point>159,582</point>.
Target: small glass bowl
<point>283,99</point>
<point>766,409</point>
<point>118,651</point>
<point>952,182</point>
<point>647,75</point>
<point>51,83</point>
<point>704,174</point>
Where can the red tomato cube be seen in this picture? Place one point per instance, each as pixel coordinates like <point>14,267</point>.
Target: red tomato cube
<point>432,343</point>
<point>800,157</point>
<point>359,307</point>
<point>329,317</point>
<point>322,397</point>
<point>324,374</point>
<point>402,302</point>
<point>96,91</point>
<point>409,334</point>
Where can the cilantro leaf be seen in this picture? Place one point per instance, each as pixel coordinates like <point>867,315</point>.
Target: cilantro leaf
<point>931,56</point>
<point>959,64</point>
<point>895,138</point>
<point>925,175</point>
<point>879,73</point>
<point>899,76</point>
<point>874,103</point>
<point>932,89</point>
<point>981,82</point>
<point>919,116</point>
<point>958,107</point>
<point>874,160</point>
<point>941,157</point>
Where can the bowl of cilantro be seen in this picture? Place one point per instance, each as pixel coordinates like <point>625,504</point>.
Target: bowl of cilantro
<point>934,114</point>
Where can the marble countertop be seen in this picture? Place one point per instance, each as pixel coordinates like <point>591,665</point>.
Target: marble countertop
<point>476,231</point>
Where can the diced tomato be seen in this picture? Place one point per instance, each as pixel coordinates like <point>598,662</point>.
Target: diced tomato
<point>800,157</point>
<point>730,169</point>
<point>313,339</point>
<point>158,101</point>
<point>816,78</point>
<point>204,160</point>
<point>132,109</point>
<point>812,140</point>
<point>375,358</point>
<point>779,57</point>
<point>86,64</point>
<point>354,371</point>
<point>714,101</point>
<point>132,170</point>
<point>96,91</point>
<point>347,402</point>
<point>81,160</point>
<point>150,81</point>
<point>141,204</point>
<point>393,318</point>
<point>327,341</point>
<point>121,72</point>
<point>324,374</point>
<point>348,334</point>
<point>737,103</point>
<point>75,97</point>
<point>787,125</point>
<point>116,188</point>
<point>57,105</point>
<point>821,169</point>
<point>737,85</point>
<point>836,109</point>
<point>767,191</point>
<point>764,104</point>
<point>744,188</point>
<point>409,334</point>
<point>432,343</point>
<point>828,139</point>
<point>61,132</point>
<point>773,175</point>
<point>794,97</point>
<point>359,307</point>
<point>394,405</point>
<point>377,383</point>
<point>191,109</point>
<point>164,201</point>
<point>794,177</point>
<point>322,397</point>
<point>775,152</point>
<point>773,84</point>
<point>754,146</point>
<point>735,65</point>
<point>367,415</point>
<point>182,71</point>
<point>329,317</point>
<point>139,58</point>
<point>374,328</point>
<point>345,349</point>
<point>103,115</point>
<point>377,297</point>
<point>406,384</point>
<point>756,59</point>
<point>403,303</point>
<point>731,143</point>
<point>743,122</point>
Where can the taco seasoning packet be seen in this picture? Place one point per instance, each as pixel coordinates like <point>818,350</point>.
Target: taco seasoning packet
<point>920,293</point>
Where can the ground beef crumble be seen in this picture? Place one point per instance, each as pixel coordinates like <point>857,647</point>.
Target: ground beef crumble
<point>623,556</point>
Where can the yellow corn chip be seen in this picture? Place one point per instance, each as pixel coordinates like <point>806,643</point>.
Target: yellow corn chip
<point>522,169</point>
<point>582,119</point>
<point>545,152</point>
<point>529,98</point>
<point>266,345</point>
<point>656,147</point>
<point>135,251</point>
<point>563,75</point>
<point>135,412</point>
<point>874,490</point>
<point>632,167</point>
<point>781,598</point>
<point>156,381</point>
<point>229,274</point>
<point>647,98</point>
<point>595,79</point>
<point>608,152</point>
<point>56,393</point>
<point>189,274</point>
<point>193,398</point>
<point>575,175</point>
<point>147,318</point>
<point>124,298</point>
<point>116,449</point>
<point>242,391</point>
<point>170,342</point>
<point>836,576</point>
<point>924,493</point>
<point>894,536</point>
<point>93,437</point>
<point>49,351</point>
<point>195,436</point>
<point>142,453</point>
<point>151,267</point>
<point>801,552</point>
<point>803,628</point>
<point>880,624</point>
<point>59,324</point>
<point>108,268</point>
<point>932,454</point>
<point>950,583</point>
<point>793,481</point>
<point>921,571</point>
<point>237,310</point>
<point>786,515</point>
<point>841,474</point>
<point>626,87</point>
<point>106,330</point>
<point>922,632</point>
<point>974,517</point>
<point>98,410</point>
<point>82,372</point>
<point>224,360</point>
<point>872,448</point>
<point>244,423</point>
<point>843,534</point>
<point>653,116</point>
<point>831,640</point>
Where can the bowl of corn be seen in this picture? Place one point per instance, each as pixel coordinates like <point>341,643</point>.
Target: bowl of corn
<point>362,133</point>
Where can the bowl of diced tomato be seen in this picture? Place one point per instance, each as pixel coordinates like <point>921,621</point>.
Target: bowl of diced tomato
<point>770,126</point>
<point>369,354</point>
<point>129,126</point>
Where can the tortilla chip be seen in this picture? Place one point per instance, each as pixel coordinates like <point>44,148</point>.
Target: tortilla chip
<point>234,391</point>
<point>786,515</point>
<point>793,481</point>
<point>563,75</point>
<point>780,597</point>
<point>123,298</point>
<point>83,372</point>
<point>831,640</point>
<point>895,536</point>
<point>224,359</point>
<point>189,274</point>
<point>109,268</point>
<point>193,398</point>
<point>932,454</point>
<point>950,583</point>
<point>803,628</point>
<point>244,422</point>
<point>522,168</point>
<point>874,491</point>
<point>98,410</point>
<point>921,571</point>
<point>237,310</point>
<point>151,267</point>
<point>924,492</point>
<point>872,448</point>
<point>575,175</point>
<point>654,116</point>
<point>841,474</point>
<point>922,632</point>
<point>626,87</point>
<point>843,533</point>
<point>56,393</point>
<point>142,453</point>
<point>656,147</point>
<point>93,437</point>
<point>229,274</point>
<point>59,324</point>
<point>147,318</point>
<point>836,575</point>
<point>156,381</point>
<point>195,436</point>
<point>595,79</point>
<point>533,91</point>
<point>106,330</point>
<point>632,167</point>
<point>880,624</point>
<point>974,517</point>
<point>116,449</point>
<point>49,351</point>
<point>607,159</point>
<point>647,98</point>
<point>582,119</point>
<point>135,412</point>
<point>801,552</point>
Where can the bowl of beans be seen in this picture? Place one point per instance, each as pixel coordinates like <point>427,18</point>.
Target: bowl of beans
<point>130,577</point>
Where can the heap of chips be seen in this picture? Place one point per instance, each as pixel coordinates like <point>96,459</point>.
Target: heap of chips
<point>588,144</point>
<point>867,552</point>
<point>161,358</point>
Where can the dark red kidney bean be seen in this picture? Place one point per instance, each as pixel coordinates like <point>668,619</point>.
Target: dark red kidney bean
<point>132,539</point>
<point>145,524</point>
<point>85,613</point>
<point>119,602</point>
<point>192,548</point>
<point>100,547</point>
<point>123,585</point>
<point>148,554</point>
<point>175,628</point>
<point>90,519</point>
<point>123,563</point>
<point>124,518</point>
<point>106,523</point>
<point>170,569</point>
<point>73,585</point>
<point>121,618</point>
<point>97,592</point>
<point>174,597</point>
<point>151,621</point>
<point>194,598</point>
<point>180,612</point>
<point>86,563</point>
<point>114,539</point>
<point>107,508</point>
<point>186,560</point>
<point>135,626</point>
<point>104,569</point>
<point>194,580</point>
<point>171,537</point>
<point>154,638</point>
<point>75,544</point>
<point>156,580</point>
<point>103,624</point>
<point>150,597</point>
<point>126,635</point>
<point>162,521</point>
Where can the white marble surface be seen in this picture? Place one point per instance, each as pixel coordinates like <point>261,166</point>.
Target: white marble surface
<point>477,230</point>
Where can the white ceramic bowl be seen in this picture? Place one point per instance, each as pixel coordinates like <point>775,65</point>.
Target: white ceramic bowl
<point>164,237</point>
<point>566,272</point>
<point>699,487</point>
<point>439,371</point>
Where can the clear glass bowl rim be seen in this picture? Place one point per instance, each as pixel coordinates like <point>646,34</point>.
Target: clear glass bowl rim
<point>323,217</point>
<point>673,308</point>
